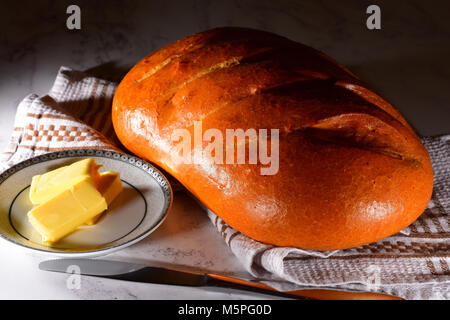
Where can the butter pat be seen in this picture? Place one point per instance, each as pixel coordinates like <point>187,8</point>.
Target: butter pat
<point>46,186</point>
<point>64,212</point>
<point>110,186</point>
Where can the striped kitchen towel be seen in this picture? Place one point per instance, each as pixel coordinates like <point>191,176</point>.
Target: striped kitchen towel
<point>412,264</point>
<point>75,114</point>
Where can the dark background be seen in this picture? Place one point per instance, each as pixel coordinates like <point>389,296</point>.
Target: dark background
<point>407,61</point>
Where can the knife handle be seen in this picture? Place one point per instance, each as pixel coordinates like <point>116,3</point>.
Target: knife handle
<point>316,294</point>
<point>234,283</point>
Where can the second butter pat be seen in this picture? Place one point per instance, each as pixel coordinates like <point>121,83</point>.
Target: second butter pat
<point>110,187</point>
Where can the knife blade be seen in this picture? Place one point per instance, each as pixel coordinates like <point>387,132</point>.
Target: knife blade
<point>141,273</point>
<point>125,271</point>
<point>157,275</point>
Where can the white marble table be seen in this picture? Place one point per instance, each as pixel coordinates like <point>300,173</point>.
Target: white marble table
<point>407,61</point>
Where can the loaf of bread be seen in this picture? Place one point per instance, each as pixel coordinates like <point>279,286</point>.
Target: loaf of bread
<point>351,170</point>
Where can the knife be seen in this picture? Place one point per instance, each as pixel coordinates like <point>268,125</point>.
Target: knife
<point>157,275</point>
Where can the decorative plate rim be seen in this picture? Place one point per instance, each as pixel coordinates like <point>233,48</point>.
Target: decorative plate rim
<point>103,153</point>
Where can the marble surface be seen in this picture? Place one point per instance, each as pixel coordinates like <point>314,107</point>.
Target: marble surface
<point>406,62</point>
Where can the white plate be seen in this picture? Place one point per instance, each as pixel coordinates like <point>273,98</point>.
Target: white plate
<point>137,212</point>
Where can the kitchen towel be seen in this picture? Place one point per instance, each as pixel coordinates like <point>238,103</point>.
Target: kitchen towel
<point>63,119</point>
<point>413,264</point>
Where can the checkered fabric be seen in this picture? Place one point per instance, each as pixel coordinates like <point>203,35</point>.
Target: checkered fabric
<point>75,114</point>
